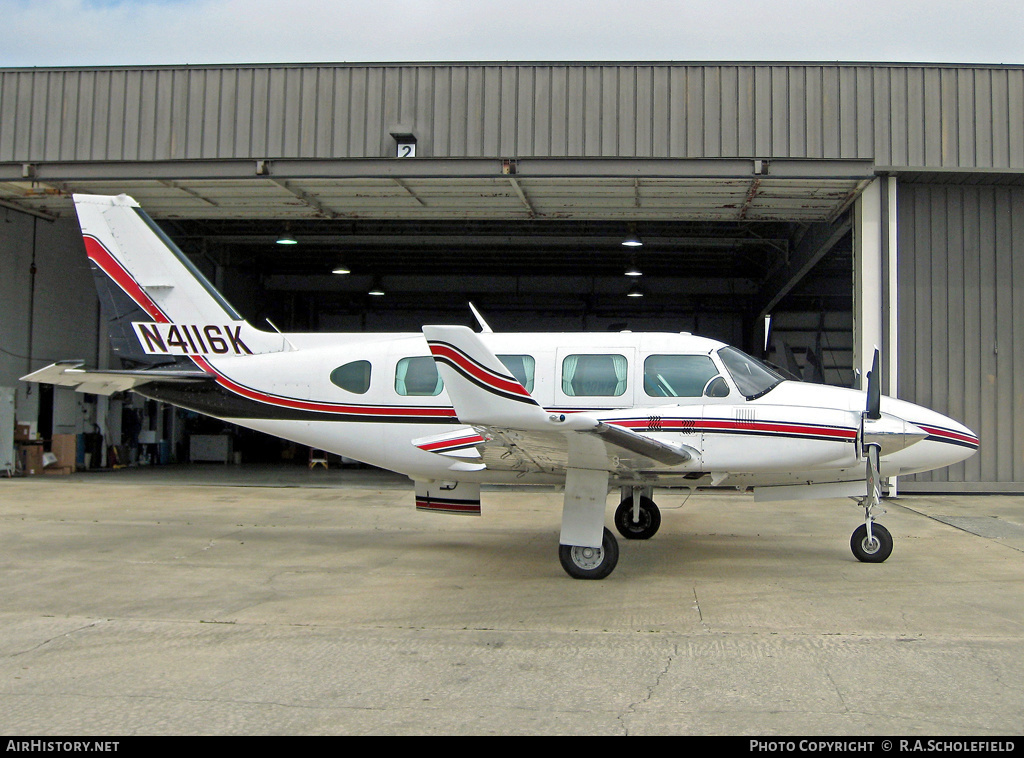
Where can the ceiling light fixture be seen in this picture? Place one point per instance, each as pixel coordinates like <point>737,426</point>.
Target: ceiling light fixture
<point>287,238</point>
<point>341,269</point>
<point>376,290</point>
<point>633,240</point>
<point>635,291</point>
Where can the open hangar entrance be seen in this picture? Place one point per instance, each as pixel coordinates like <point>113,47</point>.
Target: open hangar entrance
<point>535,245</point>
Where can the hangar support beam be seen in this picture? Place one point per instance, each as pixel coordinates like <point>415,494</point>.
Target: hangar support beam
<point>874,286</point>
<point>304,168</point>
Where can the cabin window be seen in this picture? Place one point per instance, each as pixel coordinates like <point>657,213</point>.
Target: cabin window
<point>522,367</point>
<point>677,375</point>
<point>353,377</point>
<point>594,375</point>
<point>418,376</point>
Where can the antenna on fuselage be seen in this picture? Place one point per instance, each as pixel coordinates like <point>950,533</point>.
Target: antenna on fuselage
<point>484,327</point>
<point>283,335</point>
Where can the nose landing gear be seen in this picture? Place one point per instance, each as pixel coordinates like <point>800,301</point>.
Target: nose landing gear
<point>871,542</point>
<point>871,547</point>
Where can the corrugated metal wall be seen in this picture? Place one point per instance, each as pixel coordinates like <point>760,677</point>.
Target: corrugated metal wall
<point>961,333</point>
<point>898,115</point>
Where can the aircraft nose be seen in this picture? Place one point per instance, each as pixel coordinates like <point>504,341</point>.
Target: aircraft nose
<point>952,433</point>
<point>945,441</point>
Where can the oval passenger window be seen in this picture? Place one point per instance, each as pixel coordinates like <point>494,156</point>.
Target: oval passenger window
<point>353,377</point>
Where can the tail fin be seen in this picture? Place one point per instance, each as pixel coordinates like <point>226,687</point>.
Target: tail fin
<point>183,314</point>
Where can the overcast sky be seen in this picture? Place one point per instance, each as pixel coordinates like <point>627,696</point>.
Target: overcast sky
<point>135,32</point>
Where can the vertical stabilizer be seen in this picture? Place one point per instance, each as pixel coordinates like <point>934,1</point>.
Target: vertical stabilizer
<point>162,304</point>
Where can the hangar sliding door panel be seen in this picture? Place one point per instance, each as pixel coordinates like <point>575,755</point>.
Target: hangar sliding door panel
<point>961,279</point>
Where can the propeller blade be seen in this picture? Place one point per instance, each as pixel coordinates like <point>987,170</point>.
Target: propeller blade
<point>874,410</point>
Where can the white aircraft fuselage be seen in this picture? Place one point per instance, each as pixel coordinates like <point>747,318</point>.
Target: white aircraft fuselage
<point>797,433</point>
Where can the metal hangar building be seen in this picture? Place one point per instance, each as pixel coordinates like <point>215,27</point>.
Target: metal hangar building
<point>856,205</point>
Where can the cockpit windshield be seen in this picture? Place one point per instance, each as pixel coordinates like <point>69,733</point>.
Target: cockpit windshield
<point>753,379</point>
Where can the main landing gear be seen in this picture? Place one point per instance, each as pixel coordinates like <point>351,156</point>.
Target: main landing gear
<point>590,562</point>
<point>636,518</point>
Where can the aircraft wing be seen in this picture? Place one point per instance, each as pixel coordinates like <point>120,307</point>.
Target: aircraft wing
<point>510,431</point>
<point>71,374</point>
<point>602,447</point>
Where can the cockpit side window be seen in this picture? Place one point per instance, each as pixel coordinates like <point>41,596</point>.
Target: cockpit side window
<point>677,375</point>
<point>353,377</point>
<point>752,378</point>
<point>417,376</point>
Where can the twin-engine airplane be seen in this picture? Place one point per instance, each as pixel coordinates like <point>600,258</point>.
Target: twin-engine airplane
<point>454,409</point>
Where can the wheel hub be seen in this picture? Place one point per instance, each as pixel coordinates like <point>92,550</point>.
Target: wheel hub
<point>587,557</point>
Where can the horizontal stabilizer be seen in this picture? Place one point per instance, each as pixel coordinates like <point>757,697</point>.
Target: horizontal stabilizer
<point>460,443</point>
<point>70,374</point>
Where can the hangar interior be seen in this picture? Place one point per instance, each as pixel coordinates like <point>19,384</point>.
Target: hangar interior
<point>514,186</point>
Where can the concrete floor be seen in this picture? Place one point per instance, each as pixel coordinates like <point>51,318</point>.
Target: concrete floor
<point>248,600</point>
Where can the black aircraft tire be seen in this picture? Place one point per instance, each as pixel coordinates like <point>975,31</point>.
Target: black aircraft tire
<point>875,552</point>
<point>646,527</point>
<point>590,563</point>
